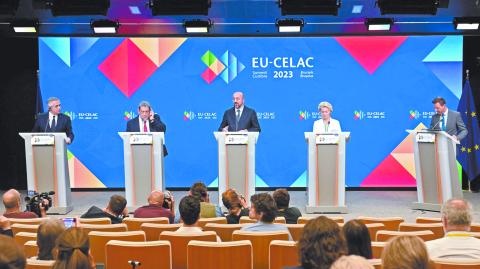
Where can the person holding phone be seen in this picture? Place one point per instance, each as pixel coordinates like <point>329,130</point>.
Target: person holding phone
<point>147,121</point>
<point>53,121</point>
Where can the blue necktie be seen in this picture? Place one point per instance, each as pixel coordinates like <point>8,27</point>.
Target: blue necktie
<point>443,122</point>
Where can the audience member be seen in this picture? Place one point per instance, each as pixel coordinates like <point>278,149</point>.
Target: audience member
<point>73,249</point>
<point>358,239</point>
<point>406,252</point>
<point>11,255</point>
<point>157,206</point>
<point>207,209</point>
<point>352,262</point>
<point>11,201</point>
<point>458,242</point>
<point>115,210</point>
<point>189,208</point>
<point>5,228</point>
<point>48,232</point>
<point>282,198</point>
<point>236,205</point>
<point>264,210</point>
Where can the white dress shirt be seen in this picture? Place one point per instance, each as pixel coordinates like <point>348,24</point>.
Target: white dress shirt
<point>455,245</point>
<point>319,126</point>
<point>50,119</point>
<point>192,230</point>
<point>140,121</point>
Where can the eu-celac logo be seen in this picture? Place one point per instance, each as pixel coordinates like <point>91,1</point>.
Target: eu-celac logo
<point>70,114</point>
<point>188,115</point>
<point>227,67</point>
<point>413,114</point>
<point>303,115</point>
<point>128,115</point>
<point>358,115</point>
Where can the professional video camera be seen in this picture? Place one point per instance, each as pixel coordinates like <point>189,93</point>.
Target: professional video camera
<point>37,199</point>
<point>167,199</point>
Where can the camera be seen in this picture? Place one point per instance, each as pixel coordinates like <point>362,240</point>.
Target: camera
<point>37,199</point>
<point>167,200</point>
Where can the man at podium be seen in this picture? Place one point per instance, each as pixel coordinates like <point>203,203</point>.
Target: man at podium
<point>447,120</point>
<point>239,117</point>
<point>147,121</point>
<point>53,121</point>
<point>326,124</point>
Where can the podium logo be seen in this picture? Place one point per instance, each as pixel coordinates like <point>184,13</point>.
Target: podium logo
<point>358,115</point>
<point>226,67</point>
<point>128,115</point>
<point>414,114</point>
<point>71,114</point>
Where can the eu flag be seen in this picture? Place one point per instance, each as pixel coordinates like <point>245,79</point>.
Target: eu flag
<point>469,153</point>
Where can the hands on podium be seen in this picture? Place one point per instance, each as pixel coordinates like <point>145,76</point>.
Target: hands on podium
<point>68,141</point>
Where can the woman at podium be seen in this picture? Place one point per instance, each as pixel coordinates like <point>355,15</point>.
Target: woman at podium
<point>326,124</point>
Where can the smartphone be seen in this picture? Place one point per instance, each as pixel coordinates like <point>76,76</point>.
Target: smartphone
<point>69,222</point>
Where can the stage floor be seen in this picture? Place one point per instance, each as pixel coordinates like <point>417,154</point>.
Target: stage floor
<point>359,203</point>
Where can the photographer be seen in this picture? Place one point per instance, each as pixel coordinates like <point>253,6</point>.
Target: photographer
<point>11,200</point>
<point>116,210</point>
<point>159,205</point>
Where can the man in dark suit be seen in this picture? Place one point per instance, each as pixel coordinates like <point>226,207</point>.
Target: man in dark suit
<point>147,121</point>
<point>447,120</point>
<point>53,121</point>
<point>239,117</point>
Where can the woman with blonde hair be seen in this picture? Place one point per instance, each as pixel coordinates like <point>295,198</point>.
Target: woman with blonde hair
<point>326,124</point>
<point>406,252</point>
<point>73,250</point>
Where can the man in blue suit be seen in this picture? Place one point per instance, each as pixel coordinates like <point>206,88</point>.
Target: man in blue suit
<point>53,121</point>
<point>447,120</point>
<point>147,121</point>
<point>239,117</point>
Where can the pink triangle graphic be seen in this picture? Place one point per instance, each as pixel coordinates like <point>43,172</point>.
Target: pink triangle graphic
<point>389,173</point>
<point>372,51</point>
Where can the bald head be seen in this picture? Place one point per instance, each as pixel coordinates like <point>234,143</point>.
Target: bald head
<point>155,198</point>
<point>456,215</point>
<point>238,99</point>
<point>11,199</point>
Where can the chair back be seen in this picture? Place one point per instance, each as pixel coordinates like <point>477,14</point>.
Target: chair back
<point>296,230</point>
<point>436,228</point>
<point>99,239</point>
<point>95,220</point>
<point>283,254</point>
<point>153,231</point>
<point>428,220</point>
<point>22,237</point>
<point>224,231</point>
<point>135,224</point>
<point>373,228</point>
<point>384,236</point>
<point>304,219</point>
<point>219,255</point>
<point>39,264</point>
<point>150,254</point>
<point>30,248</point>
<point>203,221</point>
<point>391,223</point>
<point>34,221</point>
<point>29,228</point>
<point>121,227</point>
<point>377,249</point>
<point>456,263</point>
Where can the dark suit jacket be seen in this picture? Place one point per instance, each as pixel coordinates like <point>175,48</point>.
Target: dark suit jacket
<point>156,126</point>
<point>455,125</point>
<point>64,125</point>
<point>248,120</point>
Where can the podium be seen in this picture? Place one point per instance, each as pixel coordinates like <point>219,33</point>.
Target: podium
<point>236,162</point>
<point>144,170</point>
<point>47,168</point>
<point>436,169</point>
<point>326,172</point>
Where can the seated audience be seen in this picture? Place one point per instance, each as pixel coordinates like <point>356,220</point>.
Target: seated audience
<point>115,210</point>
<point>358,239</point>
<point>11,255</point>
<point>48,232</point>
<point>11,201</point>
<point>458,242</point>
<point>321,244</point>
<point>73,249</point>
<point>236,205</point>
<point>157,207</point>
<point>5,228</point>
<point>352,262</point>
<point>264,210</point>
<point>189,208</point>
<point>282,198</point>
<point>406,252</point>
<point>207,209</point>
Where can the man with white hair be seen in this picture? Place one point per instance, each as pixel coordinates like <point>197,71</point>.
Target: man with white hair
<point>239,118</point>
<point>53,121</point>
<point>458,242</point>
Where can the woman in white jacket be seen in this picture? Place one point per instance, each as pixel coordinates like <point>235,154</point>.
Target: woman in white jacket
<point>326,124</point>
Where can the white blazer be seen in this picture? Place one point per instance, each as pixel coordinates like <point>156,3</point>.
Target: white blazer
<point>319,127</point>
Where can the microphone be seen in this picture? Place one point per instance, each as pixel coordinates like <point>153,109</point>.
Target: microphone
<point>439,120</point>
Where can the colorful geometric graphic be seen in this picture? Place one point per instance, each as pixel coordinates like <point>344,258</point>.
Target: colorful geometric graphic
<point>227,67</point>
<point>80,176</point>
<point>69,49</point>
<point>358,115</point>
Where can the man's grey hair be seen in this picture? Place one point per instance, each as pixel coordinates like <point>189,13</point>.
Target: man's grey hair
<point>51,99</point>
<point>457,212</point>
<point>145,103</point>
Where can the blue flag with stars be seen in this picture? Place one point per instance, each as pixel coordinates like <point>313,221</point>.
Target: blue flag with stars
<point>469,154</point>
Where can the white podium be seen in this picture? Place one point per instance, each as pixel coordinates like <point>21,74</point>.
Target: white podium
<point>47,168</point>
<point>436,169</point>
<point>144,170</point>
<point>326,172</point>
<point>236,162</point>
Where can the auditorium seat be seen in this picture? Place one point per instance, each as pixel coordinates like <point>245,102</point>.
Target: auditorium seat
<point>219,255</point>
<point>95,220</point>
<point>246,219</point>
<point>34,221</point>
<point>377,249</point>
<point>383,236</point>
<point>456,263</point>
<point>283,254</point>
<point>224,231</point>
<point>475,228</point>
<point>29,228</point>
<point>153,231</point>
<point>134,224</point>
<point>428,220</point>
<point>30,248</point>
<point>373,228</point>
<point>377,263</point>
<point>305,219</point>
<point>38,264</point>
<point>203,221</point>
<point>99,239</point>
<point>280,220</point>
<point>122,227</point>
<point>22,237</point>
<point>436,228</point>
<point>179,242</point>
<point>296,230</point>
<point>391,223</point>
<point>261,244</point>
<point>151,254</point>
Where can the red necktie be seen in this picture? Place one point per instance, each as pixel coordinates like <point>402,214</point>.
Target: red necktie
<point>145,126</point>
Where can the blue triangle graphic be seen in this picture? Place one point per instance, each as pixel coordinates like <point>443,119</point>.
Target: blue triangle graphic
<point>301,181</point>
<point>449,50</point>
<point>60,46</point>
<point>450,74</point>
<point>80,45</point>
